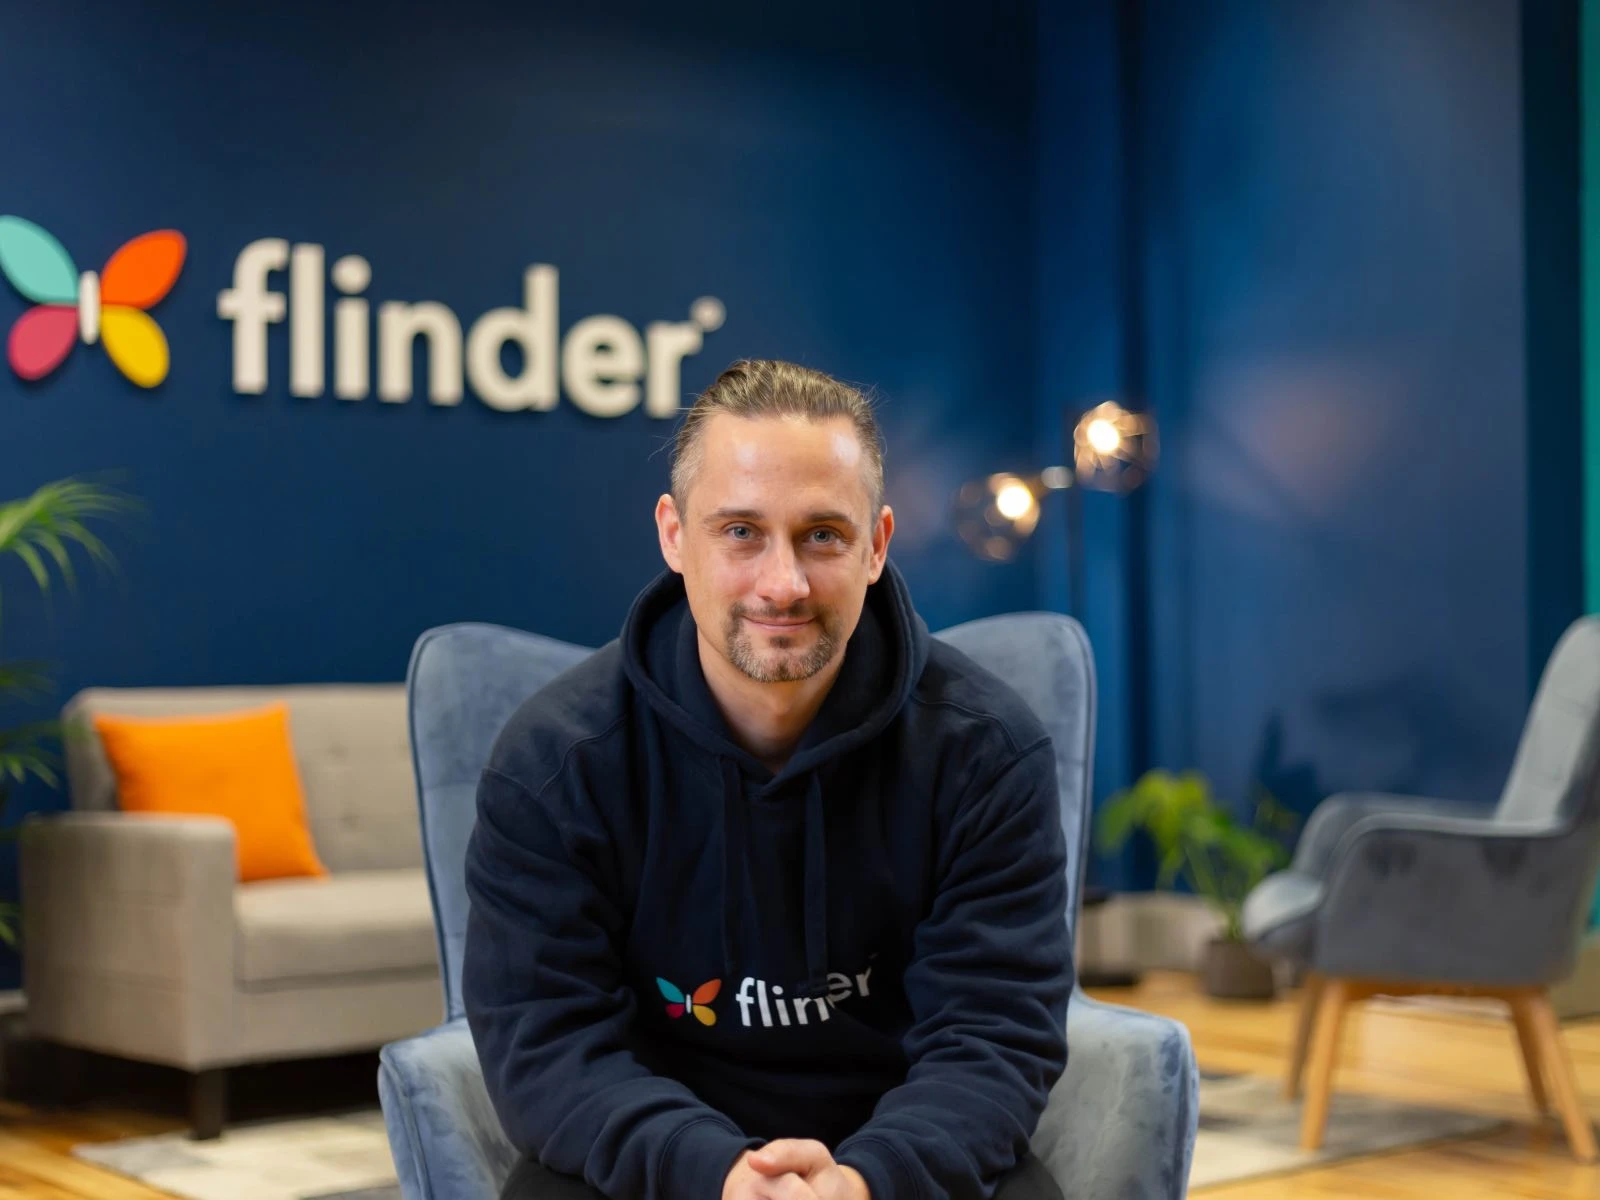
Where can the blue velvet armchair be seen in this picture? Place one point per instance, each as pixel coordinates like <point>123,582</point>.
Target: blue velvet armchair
<point>1399,895</point>
<point>1120,1123</point>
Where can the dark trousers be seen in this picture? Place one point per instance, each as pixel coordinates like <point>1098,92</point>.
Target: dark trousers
<point>529,1181</point>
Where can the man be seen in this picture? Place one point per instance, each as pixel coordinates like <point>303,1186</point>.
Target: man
<point>768,896</point>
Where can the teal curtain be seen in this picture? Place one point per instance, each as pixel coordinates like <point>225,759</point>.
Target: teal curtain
<point>1589,89</point>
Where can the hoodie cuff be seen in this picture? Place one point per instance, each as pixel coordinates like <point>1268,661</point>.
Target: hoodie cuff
<point>880,1165</point>
<point>699,1156</point>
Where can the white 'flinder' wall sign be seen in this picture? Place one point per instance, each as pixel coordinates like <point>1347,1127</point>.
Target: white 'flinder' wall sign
<point>600,364</point>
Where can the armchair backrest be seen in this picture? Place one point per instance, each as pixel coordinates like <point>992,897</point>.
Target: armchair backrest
<point>1045,657</point>
<point>466,680</point>
<point>463,684</point>
<point>1555,777</point>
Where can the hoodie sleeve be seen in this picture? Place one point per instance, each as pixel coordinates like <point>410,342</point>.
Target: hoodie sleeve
<point>988,984</point>
<point>551,1013</point>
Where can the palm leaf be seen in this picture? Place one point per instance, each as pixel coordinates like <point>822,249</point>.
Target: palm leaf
<point>25,750</point>
<point>24,680</point>
<point>48,522</point>
<point>41,530</point>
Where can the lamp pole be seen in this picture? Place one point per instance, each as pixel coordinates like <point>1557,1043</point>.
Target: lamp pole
<point>1074,516</point>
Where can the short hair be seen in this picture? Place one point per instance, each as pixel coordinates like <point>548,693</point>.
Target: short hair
<point>754,388</point>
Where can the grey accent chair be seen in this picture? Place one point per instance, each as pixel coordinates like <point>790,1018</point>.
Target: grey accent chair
<point>1399,895</point>
<point>1120,1123</point>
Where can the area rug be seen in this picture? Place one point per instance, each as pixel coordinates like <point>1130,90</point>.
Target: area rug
<point>1248,1129</point>
<point>340,1157</point>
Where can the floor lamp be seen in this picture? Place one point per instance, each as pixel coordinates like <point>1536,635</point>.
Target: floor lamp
<point>1106,448</point>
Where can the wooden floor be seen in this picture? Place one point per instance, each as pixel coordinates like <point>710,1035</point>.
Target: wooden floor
<point>1456,1061</point>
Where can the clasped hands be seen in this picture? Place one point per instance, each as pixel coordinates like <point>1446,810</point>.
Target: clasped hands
<point>792,1169</point>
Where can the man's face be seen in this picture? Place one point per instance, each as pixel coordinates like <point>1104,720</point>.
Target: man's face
<point>777,542</point>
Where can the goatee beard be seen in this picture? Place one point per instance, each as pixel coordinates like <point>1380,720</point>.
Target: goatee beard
<point>778,665</point>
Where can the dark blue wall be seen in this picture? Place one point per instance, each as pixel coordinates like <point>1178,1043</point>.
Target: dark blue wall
<point>1329,301</point>
<point>858,190</point>
<point>1311,268</point>
<point>1089,234</point>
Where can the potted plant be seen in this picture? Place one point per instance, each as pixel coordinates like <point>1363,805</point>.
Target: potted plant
<point>38,530</point>
<point>1199,842</point>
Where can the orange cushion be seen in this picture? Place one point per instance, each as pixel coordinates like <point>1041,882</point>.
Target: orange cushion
<point>238,765</point>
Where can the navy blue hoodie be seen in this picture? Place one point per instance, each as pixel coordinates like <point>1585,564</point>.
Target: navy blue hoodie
<point>674,954</point>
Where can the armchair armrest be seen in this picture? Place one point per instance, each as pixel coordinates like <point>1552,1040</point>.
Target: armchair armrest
<point>1121,1121</point>
<point>444,1134</point>
<point>1453,899</point>
<point>128,933</point>
<point>1336,815</point>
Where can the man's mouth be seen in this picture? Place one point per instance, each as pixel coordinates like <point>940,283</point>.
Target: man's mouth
<point>779,624</point>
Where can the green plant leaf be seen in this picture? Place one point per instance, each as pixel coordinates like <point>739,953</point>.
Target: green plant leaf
<point>1197,839</point>
<point>23,680</point>
<point>1117,820</point>
<point>29,555</point>
<point>41,530</point>
<point>25,750</point>
<point>52,519</point>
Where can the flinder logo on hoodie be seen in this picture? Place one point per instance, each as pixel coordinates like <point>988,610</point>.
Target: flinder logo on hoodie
<point>764,1004</point>
<point>697,1005</point>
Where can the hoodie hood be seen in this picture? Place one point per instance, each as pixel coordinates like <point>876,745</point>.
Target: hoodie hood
<point>882,662</point>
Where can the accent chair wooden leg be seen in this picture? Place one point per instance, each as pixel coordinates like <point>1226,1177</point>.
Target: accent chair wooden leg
<point>1561,1077</point>
<point>1528,1043</point>
<point>1311,992</point>
<point>1331,1007</point>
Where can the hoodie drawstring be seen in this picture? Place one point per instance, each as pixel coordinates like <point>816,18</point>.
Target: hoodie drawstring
<point>816,893</point>
<point>815,880</point>
<point>733,844</point>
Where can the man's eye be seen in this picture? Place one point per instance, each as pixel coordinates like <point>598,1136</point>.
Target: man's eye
<point>740,533</point>
<point>824,536</point>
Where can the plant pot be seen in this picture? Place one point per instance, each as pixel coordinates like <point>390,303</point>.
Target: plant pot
<point>1232,971</point>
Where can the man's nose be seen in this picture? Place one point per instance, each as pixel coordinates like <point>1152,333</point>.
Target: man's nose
<point>782,582</point>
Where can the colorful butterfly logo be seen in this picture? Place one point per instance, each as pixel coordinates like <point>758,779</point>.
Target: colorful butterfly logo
<point>696,1005</point>
<point>108,307</point>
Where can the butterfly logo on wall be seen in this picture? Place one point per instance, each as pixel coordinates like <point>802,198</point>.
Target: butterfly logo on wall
<point>109,307</point>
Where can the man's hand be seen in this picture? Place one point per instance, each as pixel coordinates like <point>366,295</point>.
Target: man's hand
<point>744,1182</point>
<point>811,1163</point>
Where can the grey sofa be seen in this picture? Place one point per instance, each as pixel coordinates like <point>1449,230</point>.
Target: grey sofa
<point>1398,895</point>
<point>138,942</point>
<point>1121,1122</point>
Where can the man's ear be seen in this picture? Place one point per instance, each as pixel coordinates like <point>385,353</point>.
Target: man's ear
<point>882,531</point>
<point>669,531</point>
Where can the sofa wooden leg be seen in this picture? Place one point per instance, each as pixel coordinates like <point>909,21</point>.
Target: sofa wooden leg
<point>208,1102</point>
<point>1336,996</point>
<point>1311,991</point>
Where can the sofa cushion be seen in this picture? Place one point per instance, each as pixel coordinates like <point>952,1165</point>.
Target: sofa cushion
<point>351,744</point>
<point>235,765</point>
<point>352,923</point>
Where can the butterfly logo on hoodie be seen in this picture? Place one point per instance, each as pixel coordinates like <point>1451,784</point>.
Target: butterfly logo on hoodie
<point>696,1005</point>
